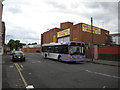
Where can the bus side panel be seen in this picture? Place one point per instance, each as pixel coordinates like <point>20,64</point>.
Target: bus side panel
<point>80,58</point>
<point>50,55</point>
<point>53,55</point>
<point>65,57</point>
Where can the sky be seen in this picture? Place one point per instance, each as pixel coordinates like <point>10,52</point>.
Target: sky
<point>26,20</point>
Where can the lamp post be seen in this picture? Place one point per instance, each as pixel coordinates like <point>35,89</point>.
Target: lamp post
<point>92,39</point>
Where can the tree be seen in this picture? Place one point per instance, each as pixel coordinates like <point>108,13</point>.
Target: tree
<point>29,44</point>
<point>22,44</point>
<point>34,43</point>
<point>11,44</point>
<point>15,44</point>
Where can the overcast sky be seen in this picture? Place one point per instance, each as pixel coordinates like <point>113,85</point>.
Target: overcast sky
<point>26,19</point>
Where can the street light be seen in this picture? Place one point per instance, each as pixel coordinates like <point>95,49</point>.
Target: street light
<point>92,39</point>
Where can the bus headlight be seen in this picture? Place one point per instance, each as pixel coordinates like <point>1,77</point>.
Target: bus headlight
<point>70,56</point>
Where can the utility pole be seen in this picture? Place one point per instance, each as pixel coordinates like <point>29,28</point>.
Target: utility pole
<point>92,39</point>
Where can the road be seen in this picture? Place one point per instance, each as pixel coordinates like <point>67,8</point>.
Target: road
<point>47,73</point>
<point>0,71</point>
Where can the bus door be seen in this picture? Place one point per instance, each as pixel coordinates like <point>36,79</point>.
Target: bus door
<point>50,52</point>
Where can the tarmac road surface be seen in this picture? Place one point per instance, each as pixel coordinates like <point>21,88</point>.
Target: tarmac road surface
<point>46,73</point>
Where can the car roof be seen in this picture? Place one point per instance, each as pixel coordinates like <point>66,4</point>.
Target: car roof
<point>18,52</point>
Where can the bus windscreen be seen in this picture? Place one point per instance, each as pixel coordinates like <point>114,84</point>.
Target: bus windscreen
<point>78,50</point>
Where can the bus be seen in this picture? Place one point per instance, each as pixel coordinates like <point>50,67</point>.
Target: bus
<point>66,51</point>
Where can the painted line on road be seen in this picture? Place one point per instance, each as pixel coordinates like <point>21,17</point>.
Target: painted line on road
<point>24,81</point>
<point>103,74</point>
<point>19,67</point>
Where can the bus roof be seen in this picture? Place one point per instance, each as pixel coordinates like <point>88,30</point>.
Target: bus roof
<point>63,43</point>
<point>51,44</point>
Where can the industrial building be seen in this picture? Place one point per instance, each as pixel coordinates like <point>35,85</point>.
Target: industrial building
<point>116,38</point>
<point>79,32</point>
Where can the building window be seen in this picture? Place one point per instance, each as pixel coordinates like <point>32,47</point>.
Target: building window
<point>64,39</point>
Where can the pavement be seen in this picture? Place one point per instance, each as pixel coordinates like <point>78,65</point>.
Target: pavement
<point>0,72</point>
<point>105,62</point>
<point>0,59</point>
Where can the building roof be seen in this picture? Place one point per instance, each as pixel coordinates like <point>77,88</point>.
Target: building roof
<point>32,46</point>
<point>115,34</point>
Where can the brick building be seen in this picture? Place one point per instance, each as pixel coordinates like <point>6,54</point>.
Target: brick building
<point>2,28</point>
<point>80,32</point>
<point>3,33</point>
<point>1,10</point>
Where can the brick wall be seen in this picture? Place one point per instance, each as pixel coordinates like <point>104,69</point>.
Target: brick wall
<point>47,37</point>
<point>109,50</point>
<point>109,53</point>
<point>75,33</point>
<point>32,50</point>
<point>66,25</point>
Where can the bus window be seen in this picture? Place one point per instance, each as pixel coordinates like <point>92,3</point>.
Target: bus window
<point>49,49</point>
<point>56,50</point>
<point>65,49</point>
<point>60,49</point>
<point>44,49</point>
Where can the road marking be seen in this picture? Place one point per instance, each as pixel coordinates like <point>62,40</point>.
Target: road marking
<point>30,73</point>
<point>39,62</point>
<point>30,87</point>
<point>24,81</point>
<point>103,74</point>
<point>11,66</point>
<point>21,66</point>
<point>104,86</point>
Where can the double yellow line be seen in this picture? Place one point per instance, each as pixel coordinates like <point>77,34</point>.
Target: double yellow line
<point>20,73</point>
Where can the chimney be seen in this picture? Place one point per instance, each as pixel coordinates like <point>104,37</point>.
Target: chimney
<point>66,25</point>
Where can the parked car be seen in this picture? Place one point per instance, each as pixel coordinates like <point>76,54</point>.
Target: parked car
<point>18,56</point>
<point>11,52</point>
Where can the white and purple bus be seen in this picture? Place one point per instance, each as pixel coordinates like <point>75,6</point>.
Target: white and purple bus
<point>66,51</point>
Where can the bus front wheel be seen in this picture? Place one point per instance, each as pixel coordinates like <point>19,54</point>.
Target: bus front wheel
<point>45,55</point>
<point>59,58</point>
